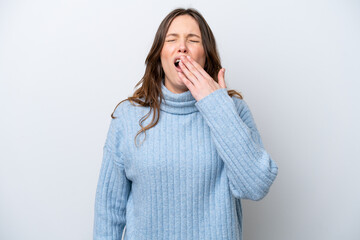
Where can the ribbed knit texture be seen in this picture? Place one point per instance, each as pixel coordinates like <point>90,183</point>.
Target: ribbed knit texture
<point>188,177</point>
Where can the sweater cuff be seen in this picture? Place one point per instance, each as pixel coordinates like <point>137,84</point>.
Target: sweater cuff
<point>219,111</point>
<point>215,106</point>
<point>219,96</point>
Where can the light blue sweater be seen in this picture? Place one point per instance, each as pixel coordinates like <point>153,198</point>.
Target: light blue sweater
<point>188,177</point>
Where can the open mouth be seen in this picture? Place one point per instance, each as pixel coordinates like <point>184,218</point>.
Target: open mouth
<point>177,66</point>
<point>177,62</point>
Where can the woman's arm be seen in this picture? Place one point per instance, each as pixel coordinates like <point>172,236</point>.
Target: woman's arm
<point>112,190</point>
<point>249,167</point>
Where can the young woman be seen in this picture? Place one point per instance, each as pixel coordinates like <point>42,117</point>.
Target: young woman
<point>201,152</point>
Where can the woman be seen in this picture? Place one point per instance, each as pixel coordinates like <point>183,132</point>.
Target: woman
<point>201,154</point>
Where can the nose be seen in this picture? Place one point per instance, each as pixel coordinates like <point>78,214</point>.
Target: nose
<point>182,47</point>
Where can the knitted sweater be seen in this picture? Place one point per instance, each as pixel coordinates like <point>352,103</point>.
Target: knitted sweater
<point>187,179</point>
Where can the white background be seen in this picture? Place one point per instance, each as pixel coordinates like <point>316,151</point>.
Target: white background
<point>64,66</point>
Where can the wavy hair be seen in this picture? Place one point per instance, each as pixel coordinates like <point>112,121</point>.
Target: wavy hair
<point>147,95</point>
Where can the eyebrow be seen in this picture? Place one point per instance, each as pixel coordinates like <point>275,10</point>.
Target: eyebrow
<point>176,35</point>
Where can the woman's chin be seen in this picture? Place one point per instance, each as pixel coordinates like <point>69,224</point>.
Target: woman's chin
<point>180,82</point>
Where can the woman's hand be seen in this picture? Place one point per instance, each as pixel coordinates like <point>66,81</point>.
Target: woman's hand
<point>197,80</point>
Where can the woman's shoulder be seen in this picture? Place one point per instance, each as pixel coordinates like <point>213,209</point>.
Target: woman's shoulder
<point>237,99</point>
<point>127,108</point>
<point>240,104</point>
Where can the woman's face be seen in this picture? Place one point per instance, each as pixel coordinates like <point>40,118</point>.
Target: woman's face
<point>182,38</point>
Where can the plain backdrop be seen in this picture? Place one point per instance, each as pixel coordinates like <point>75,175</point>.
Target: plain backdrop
<point>64,66</point>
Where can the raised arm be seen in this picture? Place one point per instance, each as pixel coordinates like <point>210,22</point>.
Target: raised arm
<point>249,167</point>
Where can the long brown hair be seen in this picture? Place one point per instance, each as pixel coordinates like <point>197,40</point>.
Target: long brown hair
<point>147,95</point>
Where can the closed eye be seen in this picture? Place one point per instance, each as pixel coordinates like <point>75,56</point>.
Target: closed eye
<point>174,40</point>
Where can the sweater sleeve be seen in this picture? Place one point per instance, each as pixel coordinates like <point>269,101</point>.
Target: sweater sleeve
<point>113,189</point>
<point>249,167</point>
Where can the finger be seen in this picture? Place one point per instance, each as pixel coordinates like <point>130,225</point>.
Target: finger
<point>221,78</point>
<point>194,70</point>
<point>187,73</point>
<point>199,68</point>
<point>186,81</point>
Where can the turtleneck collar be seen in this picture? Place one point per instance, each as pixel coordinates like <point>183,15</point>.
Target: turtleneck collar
<point>177,103</point>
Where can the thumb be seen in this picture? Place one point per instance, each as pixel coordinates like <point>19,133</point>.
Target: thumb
<point>221,78</point>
